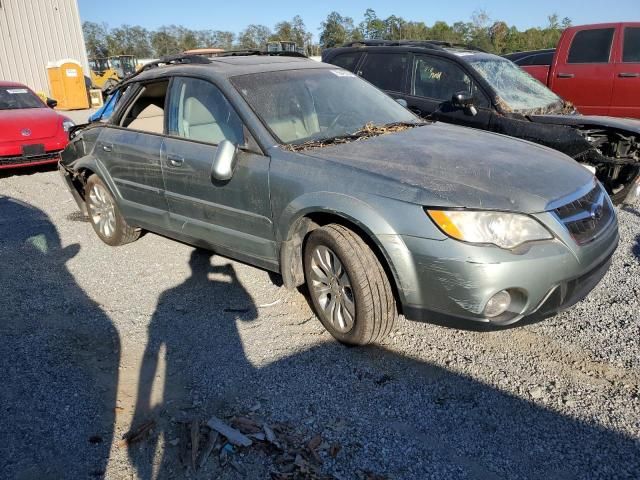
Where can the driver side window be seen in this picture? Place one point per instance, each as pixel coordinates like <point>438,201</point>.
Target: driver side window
<point>441,79</point>
<point>199,111</point>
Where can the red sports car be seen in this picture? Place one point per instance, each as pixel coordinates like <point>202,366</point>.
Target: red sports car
<point>31,133</point>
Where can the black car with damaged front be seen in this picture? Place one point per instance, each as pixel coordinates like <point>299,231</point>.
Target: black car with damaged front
<point>468,87</point>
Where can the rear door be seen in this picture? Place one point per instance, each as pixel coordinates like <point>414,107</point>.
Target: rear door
<point>348,60</point>
<point>434,82</point>
<point>234,216</point>
<point>584,73</point>
<point>130,150</point>
<point>387,71</point>
<point>626,86</point>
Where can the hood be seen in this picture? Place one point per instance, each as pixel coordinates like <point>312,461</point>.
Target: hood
<point>627,124</point>
<point>449,166</point>
<point>41,122</point>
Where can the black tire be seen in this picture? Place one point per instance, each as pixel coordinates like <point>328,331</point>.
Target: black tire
<point>119,231</point>
<point>370,291</point>
<point>619,197</point>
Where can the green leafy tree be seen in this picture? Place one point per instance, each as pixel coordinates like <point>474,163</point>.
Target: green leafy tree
<point>336,30</point>
<point>95,39</point>
<point>254,37</point>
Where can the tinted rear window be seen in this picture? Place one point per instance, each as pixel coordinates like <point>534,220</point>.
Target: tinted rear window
<point>387,71</point>
<point>591,46</point>
<point>347,60</point>
<point>631,51</point>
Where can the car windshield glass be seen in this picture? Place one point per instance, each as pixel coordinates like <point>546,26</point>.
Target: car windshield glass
<point>15,98</point>
<point>317,105</point>
<point>520,91</point>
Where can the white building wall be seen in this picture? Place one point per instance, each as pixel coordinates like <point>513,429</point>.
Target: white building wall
<point>36,32</point>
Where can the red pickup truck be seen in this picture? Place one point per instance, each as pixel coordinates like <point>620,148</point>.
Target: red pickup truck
<point>595,67</point>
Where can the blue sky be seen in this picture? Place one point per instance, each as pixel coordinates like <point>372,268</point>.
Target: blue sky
<point>235,15</point>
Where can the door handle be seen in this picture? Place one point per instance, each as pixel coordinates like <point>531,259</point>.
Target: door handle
<point>629,75</point>
<point>566,75</point>
<point>175,160</point>
<point>107,148</point>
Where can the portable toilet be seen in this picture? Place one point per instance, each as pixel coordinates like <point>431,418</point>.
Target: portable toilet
<point>67,84</point>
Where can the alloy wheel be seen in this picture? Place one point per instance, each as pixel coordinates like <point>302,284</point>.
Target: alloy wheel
<point>102,210</point>
<point>331,288</point>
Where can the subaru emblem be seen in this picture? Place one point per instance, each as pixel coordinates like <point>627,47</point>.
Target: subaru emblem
<point>26,132</point>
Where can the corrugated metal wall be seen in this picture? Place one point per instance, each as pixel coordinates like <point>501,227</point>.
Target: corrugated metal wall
<point>35,32</point>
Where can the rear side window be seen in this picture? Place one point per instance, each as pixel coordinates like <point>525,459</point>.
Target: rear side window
<point>541,59</point>
<point>146,114</point>
<point>591,46</point>
<point>387,71</point>
<point>631,50</point>
<point>347,60</point>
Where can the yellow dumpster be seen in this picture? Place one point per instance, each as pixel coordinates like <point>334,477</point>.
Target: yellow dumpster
<point>67,85</point>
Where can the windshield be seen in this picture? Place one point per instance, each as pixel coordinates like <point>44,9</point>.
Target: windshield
<point>299,106</point>
<point>15,98</point>
<point>98,64</point>
<point>519,90</point>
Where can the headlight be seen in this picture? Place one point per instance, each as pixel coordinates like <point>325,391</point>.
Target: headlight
<point>67,124</point>
<point>505,230</point>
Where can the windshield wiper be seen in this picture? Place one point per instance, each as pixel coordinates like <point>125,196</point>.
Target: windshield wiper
<point>366,131</point>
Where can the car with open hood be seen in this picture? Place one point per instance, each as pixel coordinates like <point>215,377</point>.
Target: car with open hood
<point>32,132</point>
<point>306,170</point>
<point>469,87</point>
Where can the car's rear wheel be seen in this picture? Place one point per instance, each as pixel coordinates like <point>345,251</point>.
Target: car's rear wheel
<point>349,288</point>
<point>104,215</point>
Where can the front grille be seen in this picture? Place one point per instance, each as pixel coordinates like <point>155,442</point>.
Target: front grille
<point>587,216</point>
<point>27,160</point>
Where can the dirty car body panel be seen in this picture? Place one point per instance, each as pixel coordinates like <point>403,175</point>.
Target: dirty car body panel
<point>379,186</point>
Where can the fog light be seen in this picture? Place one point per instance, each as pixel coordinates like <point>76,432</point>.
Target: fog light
<point>498,304</point>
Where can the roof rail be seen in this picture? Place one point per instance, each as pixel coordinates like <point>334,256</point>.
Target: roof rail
<point>433,44</point>
<point>249,52</point>
<point>177,59</point>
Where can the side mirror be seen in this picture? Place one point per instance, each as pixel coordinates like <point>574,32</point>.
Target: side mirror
<point>51,103</point>
<point>464,101</point>
<point>402,101</point>
<point>224,163</point>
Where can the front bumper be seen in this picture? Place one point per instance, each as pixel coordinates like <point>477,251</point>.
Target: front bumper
<point>449,281</point>
<point>22,161</point>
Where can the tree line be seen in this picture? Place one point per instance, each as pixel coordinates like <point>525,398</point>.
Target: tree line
<point>481,31</point>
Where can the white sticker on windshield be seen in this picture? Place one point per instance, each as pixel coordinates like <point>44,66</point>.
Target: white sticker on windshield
<point>342,73</point>
<point>461,54</point>
<point>17,90</point>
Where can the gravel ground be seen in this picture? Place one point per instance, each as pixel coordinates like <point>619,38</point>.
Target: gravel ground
<point>96,339</point>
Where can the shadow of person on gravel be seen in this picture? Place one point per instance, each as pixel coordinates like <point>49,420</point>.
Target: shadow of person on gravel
<point>181,329</point>
<point>397,416</point>
<point>59,357</point>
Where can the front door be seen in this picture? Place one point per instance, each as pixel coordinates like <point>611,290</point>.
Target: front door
<point>233,217</point>
<point>434,82</point>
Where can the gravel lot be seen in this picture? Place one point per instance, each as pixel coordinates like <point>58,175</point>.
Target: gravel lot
<point>96,339</point>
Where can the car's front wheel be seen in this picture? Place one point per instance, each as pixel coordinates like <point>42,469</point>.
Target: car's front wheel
<point>349,288</point>
<point>104,215</point>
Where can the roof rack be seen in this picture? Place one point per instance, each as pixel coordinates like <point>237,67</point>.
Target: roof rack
<point>178,59</point>
<point>433,44</point>
<point>249,52</point>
